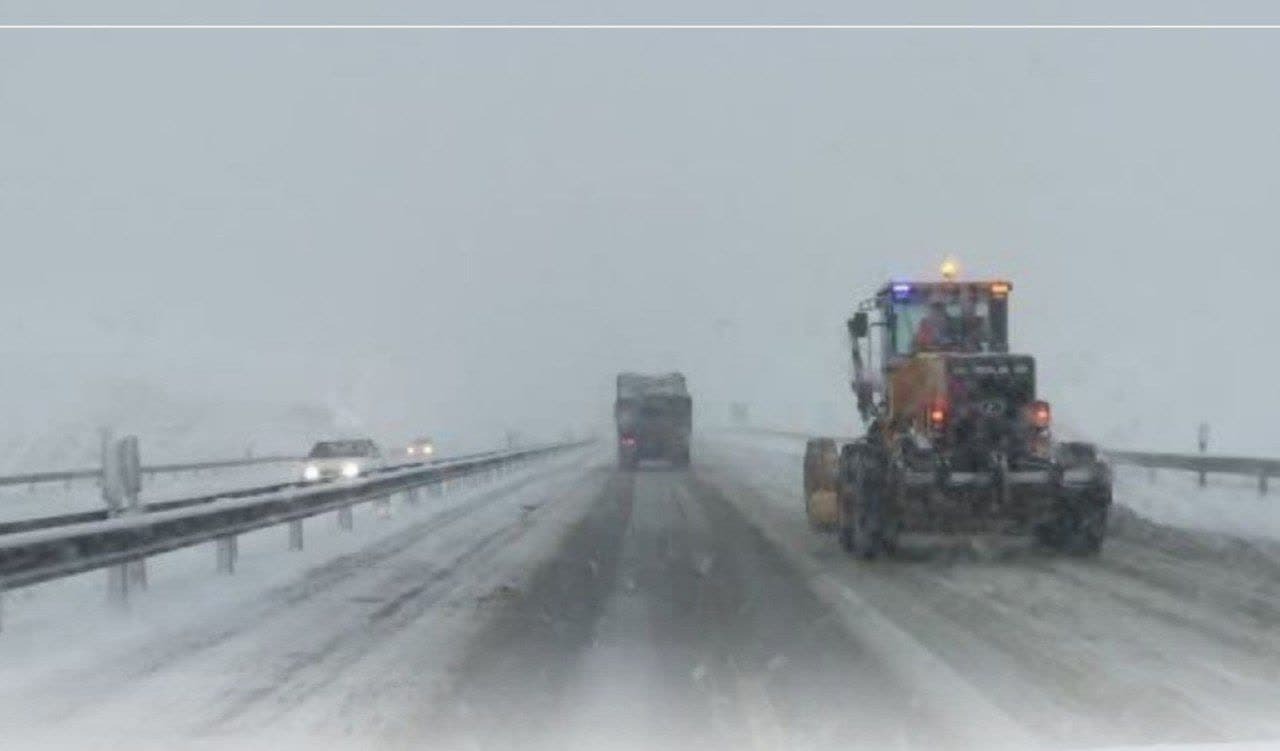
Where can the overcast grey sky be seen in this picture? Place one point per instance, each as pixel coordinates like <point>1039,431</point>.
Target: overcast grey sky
<point>456,232</point>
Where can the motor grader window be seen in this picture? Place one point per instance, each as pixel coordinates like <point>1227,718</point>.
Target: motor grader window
<point>923,326</point>
<point>906,320</point>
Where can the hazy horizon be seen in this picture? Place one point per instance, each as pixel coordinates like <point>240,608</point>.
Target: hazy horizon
<point>462,233</point>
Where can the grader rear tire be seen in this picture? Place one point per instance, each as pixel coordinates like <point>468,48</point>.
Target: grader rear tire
<point>862,525</point>
<point>821,468</point>
<point>1082,523</point>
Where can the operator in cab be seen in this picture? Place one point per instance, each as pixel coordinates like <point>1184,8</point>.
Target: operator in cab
<point>934,331</point>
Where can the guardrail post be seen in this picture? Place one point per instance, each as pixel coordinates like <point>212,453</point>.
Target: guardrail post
<point>137,573</point>
<point>121,484</point>
<point>436,488</point>
<point>226,554</point>
<point>1262,483</point>
<point>295,534</point>
<point>1151,474</point>
<point>411,496</point>
<point>382,507</point>
<point>130,477</point>
<point>345,521</point>
<point>118,586</point>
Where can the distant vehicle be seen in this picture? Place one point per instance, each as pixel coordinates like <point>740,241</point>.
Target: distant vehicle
<point>421,447</point>
<point>330,460</point>
<point>653,414</point>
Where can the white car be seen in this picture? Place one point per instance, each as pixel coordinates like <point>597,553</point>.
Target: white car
<point>347,459</point>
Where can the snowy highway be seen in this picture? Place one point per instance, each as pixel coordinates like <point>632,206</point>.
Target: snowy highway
<point>884,376</point>
<point>573,605</point>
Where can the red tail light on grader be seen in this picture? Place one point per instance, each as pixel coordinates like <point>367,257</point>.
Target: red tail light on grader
<point>957,441</point>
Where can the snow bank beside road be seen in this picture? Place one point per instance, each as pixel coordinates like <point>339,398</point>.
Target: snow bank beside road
<point>1229,505</point>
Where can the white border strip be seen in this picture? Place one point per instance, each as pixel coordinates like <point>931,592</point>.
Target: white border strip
<point>640,27</point>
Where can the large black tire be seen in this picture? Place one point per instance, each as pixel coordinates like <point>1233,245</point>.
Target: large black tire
<point>845,527</point>
<point>1080,527</point>
<point>861,523</point>
<point>868,530</point>
<point>1085,530</point>
<point>1049,534</point>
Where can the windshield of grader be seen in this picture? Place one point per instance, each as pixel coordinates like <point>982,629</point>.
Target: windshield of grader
<point>962,319</point>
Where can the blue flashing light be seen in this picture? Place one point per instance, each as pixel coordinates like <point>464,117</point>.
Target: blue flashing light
<point>901,291</point>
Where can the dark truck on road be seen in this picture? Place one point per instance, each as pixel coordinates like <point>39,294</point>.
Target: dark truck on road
<point>653,414</point>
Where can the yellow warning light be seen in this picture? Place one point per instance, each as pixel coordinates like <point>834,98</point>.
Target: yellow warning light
<point>950,269</point>
<point>999,289</point>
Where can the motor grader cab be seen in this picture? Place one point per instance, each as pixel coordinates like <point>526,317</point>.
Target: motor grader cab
<point>957,441</point>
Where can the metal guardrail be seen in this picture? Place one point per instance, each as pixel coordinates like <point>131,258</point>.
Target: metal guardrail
<point>1202,464</point>
<point>78,517</point>
<point>37,554</point>
<point>1229,465</point>
<point>35,478</point>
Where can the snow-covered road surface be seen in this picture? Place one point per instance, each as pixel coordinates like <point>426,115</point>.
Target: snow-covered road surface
<point>286,649</point>
<point>1171,635</point>
<point>571,605</point>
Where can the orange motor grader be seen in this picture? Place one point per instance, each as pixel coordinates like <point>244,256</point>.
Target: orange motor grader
<point>957,440</point>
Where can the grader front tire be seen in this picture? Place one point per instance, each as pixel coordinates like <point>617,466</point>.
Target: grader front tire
<point>821,468</point>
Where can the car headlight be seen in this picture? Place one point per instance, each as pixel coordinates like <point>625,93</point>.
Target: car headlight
<point>428,449</point>
<point>311,472</point>
<point>412,449</point>
<point>350,469</point>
